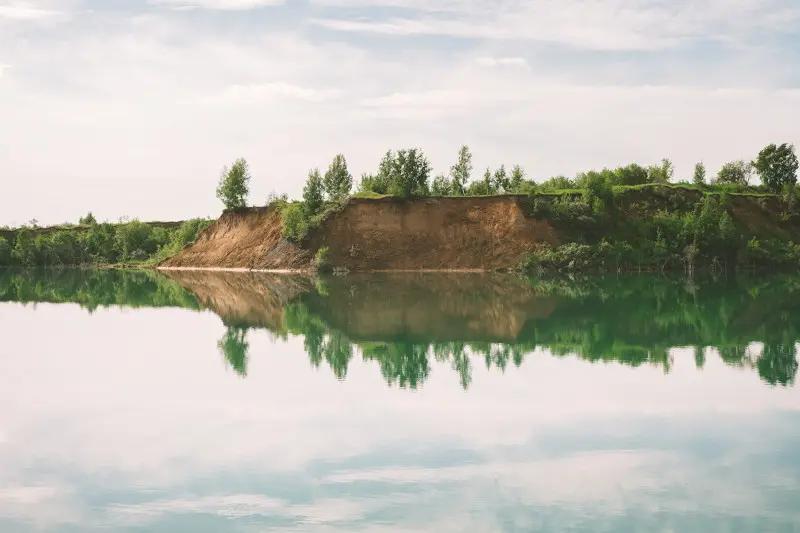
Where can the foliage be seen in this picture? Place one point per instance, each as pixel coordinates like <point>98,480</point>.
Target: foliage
<point>662,173</point>
<point>295,222</point>
<point>322,259</point>
<point>699,177</point>
<point>632,174</point>
<point>461,172</point>
<point>88,220</point>
<point>234,185</point>
<point>516,180</point>
<point>5,252</point>
<point>735,172</point>
<point>777,166</point>
<point>313,192</point>
<point>441,186</point>
<point>338,181</point>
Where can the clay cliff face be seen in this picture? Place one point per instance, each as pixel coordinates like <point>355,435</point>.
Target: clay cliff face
<point>476,233</point>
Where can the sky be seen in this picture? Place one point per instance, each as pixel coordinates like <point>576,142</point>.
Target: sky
<point>132,107</point>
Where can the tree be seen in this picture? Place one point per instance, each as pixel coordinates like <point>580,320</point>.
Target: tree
<point>88,220</point>
<point>441,186</point>
<point>661,173</point>
<point>410,173</point>
<point>632,174</point>
<point>777,166</point>
<point>501,181</point>
<point>5,252</point>
<point>338,181</point>
<point>461,172</point>
<point>234,185</point>
<point>517,179</point>
<point>24,252</point>
<point>234,348</point>
<point>699,177</point>
<point>735,172</point>
<point>313,192</point>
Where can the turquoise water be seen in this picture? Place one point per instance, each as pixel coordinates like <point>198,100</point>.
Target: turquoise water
<point>210,402</point>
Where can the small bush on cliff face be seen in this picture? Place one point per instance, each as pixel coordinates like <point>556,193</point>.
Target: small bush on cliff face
<point>295,221</point>
<point>322,259</point>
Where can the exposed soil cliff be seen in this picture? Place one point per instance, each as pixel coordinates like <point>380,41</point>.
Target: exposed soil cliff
<point>477,233</point>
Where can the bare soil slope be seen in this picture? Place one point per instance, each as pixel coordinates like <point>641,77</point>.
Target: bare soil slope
<point>248,239</point>
<point>475,233</point>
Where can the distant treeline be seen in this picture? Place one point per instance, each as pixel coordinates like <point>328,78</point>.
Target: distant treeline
<point>97,243</point>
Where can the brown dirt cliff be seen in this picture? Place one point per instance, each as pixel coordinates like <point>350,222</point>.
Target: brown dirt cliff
<point>468,233</point>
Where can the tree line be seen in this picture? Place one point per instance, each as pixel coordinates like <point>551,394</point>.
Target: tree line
<point>98,243</point>
<point>407,173</point>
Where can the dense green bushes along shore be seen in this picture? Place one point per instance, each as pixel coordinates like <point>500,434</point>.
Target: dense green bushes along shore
<point>93,243</point>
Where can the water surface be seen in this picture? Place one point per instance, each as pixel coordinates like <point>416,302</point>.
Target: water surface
<point>211,402</point>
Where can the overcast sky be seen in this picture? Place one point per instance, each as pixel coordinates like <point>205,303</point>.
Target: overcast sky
<point>131,107</point>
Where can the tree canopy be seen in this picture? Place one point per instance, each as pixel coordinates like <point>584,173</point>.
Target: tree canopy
<point>777,166</point>
<point>234,185</point>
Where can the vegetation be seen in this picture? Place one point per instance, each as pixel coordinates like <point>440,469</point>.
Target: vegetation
<point>777,167</point>
<point>234,185</point>
<point>132,242</point>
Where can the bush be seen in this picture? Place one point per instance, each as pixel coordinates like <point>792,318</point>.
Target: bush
<point>5,252</point>
<point>322,259</point>
<point>295,222</point>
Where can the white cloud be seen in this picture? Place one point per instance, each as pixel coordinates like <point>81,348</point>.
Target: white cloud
<point>110,92</point>
<point>225,5</point>
<point>26,12</point>
<point>489,61</point>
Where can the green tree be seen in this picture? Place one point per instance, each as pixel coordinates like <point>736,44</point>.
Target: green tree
<point>88,220</point>
<point>461,172</point>
<point>699,177</point>
<point>314,192</point>
<point>441,186</point>
<point>234,185</point>
<point>735,172</point>
<point>517,179</point>
<point>632,174</point>
<point>662,173</point>
<point>777,166</point>
<point>412,174</point>
<point>338,181</point>
<point>5,252</point>
<point>100,242</point>
<point>133,240</point>
<point>24,252</point>
<point>501,181</point>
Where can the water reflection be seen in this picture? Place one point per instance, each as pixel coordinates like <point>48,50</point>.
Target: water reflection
<point>402,321</point>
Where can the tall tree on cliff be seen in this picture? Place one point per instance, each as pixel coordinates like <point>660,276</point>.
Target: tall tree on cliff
<point>314,192</point>
<point>699,174</point>
<point>461,172</point>
<point>234,185</point>
<point>777,166</point>
<point>338,181</point>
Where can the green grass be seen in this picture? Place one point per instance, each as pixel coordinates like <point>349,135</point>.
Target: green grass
<point>370,195</point>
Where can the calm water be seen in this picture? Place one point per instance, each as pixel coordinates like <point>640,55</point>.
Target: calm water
<point>209,402</point>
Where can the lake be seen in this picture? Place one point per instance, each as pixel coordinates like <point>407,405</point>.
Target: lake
<point>241,402</point>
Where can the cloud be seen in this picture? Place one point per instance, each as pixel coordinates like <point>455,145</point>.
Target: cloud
<point>223,5</point>
<point>105,90</point>
<point>26,12</point>
<point>608,25</point>
<point>488,61</point>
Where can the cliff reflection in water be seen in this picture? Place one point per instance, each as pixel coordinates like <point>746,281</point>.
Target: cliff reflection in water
<point>404,321</point>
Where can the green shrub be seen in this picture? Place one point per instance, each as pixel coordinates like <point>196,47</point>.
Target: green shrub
<point>295,222</point>
<point>322,259</point>
<point>5,252</point>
